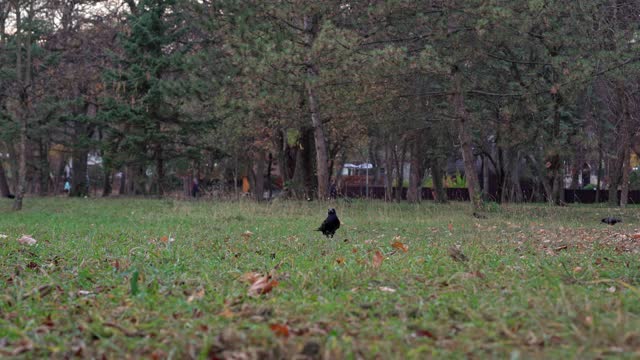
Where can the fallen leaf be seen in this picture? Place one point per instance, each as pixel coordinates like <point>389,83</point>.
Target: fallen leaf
<point>450,226</point>
<point>386,289</point>
<point>226,313</point>
<point>164,239</point>
<point>612,289</point>
<point>400,246</point>
<point>251,277</point>
<point>27,240</point>
<point>280,329</point>
<point>588,320</point>
<point>456,254</point>
<point>634,236</point>
<point>340,260</point>
<point>377,259</point>
<point>577,269</point>
<point>425,333</point>
<point>563,247</point>
<point>247,235</point>
<point>354,250</point>
<point>262,286</point>
<point>3,236</point>
<point>22,347</point>
<point>197,295</point>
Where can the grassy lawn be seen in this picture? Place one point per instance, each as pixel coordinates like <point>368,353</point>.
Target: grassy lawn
<point>131,278</point>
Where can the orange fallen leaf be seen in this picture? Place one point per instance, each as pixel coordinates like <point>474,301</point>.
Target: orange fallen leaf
<point>262,286</point>
<point>400,246</point>
<point>340,260</point>
<point>280,329</point>
<point>450,226</point>
<point>226,313</point>
<point>164,239</point>
<point>377,259</point>
<point>354,250</point>
<point>425,333</point>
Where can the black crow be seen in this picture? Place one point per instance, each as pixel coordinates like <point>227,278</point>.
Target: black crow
<point>611,220</point>
<point>330,224</point>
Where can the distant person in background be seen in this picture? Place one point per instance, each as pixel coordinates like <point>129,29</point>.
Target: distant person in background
<point>195,188</point>
<point>67,186</point>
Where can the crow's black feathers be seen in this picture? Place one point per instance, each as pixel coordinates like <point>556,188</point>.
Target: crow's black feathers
<point>330,224</point>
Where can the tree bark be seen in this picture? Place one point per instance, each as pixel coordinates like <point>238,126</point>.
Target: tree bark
<point>466,145</point>
<point>438,186</point>
<point>107,188</point>
<point>414,192</point>
<point>311,31</point>
<point>388,179</point>
<point>257,177</point>
<point>160,176</point>
<point>627,134</point>
<point>21,111</point>
<point>4,185</point>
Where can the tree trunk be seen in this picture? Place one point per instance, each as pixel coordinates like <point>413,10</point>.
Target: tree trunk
<point>258,177</point>
<point>626,172</point>
<point>414,192</point>
<point>485,179</point>
<point>269,188</point>
<point>440,195</point>
<point>21,110</point>
<point>160,176</point>
<point>107,188</point>
<point>627,134</point>
<point>466,145</point>
<point>4,185</point>
<point>122,189</point>
<point>599,175</point>
<point>399,159</point>
<point>79,185</point>
<point>311,30</point>
<point>388,178</point>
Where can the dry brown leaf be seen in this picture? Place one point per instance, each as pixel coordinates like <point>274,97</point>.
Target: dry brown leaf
<point>400,246</point>
<point>27,240</point>
<point>247,235</point>
<point>340,260</point>
<point>262,286</point>
<point>226,313</point>
<point>197,295</point>
<point>377,259</point>
<point>636,236</point>
<point>251,277</point>
<point>456,254</point>
<point>280,329</point>
<point>450,226</point>
<point>354,250</point>
<point>424,333</point>
<point>387,289</point>
<point>164,239</point>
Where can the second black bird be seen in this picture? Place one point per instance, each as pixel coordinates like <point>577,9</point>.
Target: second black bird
<point>330,224</point>
<point>611,220</point>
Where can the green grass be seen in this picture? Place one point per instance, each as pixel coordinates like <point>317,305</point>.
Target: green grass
<point>540,282</point>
